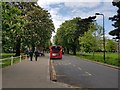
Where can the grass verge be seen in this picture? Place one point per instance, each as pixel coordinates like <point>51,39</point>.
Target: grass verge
<point>7,62</point>
<point>110,58</point>
<point>7,55</point>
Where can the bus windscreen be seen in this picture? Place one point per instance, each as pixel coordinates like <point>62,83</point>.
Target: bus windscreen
<point>55,49</point>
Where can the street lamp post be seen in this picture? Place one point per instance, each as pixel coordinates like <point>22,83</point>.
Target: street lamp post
<point>103,35</point>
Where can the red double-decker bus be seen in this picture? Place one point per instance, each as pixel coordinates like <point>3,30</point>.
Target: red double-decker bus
<point>56,52</point>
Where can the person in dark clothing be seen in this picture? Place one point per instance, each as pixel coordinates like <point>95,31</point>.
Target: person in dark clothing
<point>31,54</point>
<point>36,54</point>
<point>27,53</point>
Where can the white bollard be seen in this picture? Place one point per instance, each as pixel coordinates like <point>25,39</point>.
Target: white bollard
<point>20,58</point>
<point>11,60</point>
<point>26,57</point>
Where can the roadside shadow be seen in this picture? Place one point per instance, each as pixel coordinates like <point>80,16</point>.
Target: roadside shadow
<point>56,59</point>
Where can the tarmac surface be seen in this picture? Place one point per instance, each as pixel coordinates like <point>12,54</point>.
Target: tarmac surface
<point>29,74</point>
<point>85,73</point>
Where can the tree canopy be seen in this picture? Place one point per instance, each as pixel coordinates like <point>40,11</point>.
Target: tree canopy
<point>69,32</point>
<point>25,24</point>
<point>116,19</point>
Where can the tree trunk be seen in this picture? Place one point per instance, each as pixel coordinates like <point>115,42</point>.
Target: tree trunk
<point>93,53</point>
<point>67,50</point>
<point>18,42</point>
<point>33,47</point>
<point>74,50</point>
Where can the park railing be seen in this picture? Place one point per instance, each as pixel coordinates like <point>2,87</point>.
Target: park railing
<point>12,60</point>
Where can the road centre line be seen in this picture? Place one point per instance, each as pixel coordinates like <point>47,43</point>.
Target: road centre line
<point>79,68</point>
<point>74,65</point>
<point>88,73</point>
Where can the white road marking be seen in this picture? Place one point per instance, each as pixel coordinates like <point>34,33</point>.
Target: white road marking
<point>79,68</point>
<point>88,73</point>
<point>74,65</point>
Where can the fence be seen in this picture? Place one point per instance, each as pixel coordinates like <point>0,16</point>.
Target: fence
<point>12,60</point>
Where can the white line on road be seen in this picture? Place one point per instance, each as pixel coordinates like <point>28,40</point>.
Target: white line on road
<point>88,73</point>
<point>79,68</point>
<point>74,65</point>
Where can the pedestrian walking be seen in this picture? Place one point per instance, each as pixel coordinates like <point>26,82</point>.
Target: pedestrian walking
<point>31,54</point>
<point>36,54</point>
<point>27,52</point>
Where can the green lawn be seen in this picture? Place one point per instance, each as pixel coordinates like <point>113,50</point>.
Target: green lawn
<point>8,61</point>
<point>110,58</point>
<point>7,55</point>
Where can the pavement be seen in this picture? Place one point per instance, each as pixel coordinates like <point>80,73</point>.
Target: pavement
<point>29,74</point>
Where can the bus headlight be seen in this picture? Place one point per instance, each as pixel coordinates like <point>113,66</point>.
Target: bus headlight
<point>53,54</point>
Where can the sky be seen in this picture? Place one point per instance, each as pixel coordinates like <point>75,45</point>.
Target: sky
<point>62,10</point>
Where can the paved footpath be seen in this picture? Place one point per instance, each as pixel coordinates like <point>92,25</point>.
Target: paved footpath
<point>29,74</point>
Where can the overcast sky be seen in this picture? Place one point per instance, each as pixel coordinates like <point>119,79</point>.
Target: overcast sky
<point>62,10</point>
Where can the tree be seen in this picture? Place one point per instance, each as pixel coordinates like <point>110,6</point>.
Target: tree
<point>12,24</point>
<point>39,28</point>
<point>25,24</point>
<point>91,40</point>
<point>98,37</point>
<point>66,35</point>
<point>116,19</point>
<point>69,32</point>
<point>111,46</point>
<point>88,41</point>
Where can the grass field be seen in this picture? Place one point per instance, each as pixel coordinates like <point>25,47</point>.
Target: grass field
<point>110,58</point>
<point>7,62</point>
<point>7,55</point>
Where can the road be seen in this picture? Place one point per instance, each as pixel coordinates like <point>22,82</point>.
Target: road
<point>87,74</point>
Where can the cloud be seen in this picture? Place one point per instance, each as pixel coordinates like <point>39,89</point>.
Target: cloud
<point>105,8</point>
<point>57,19</point>
<point>81,8</point>
<point>81,4</point>
<point>70,3</point>
<point>77,7</point>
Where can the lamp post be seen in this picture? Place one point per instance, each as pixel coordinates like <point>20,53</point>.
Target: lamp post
<point>103,34</point>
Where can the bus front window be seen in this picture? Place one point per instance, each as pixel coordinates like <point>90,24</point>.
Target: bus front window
<point>55,49</point>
